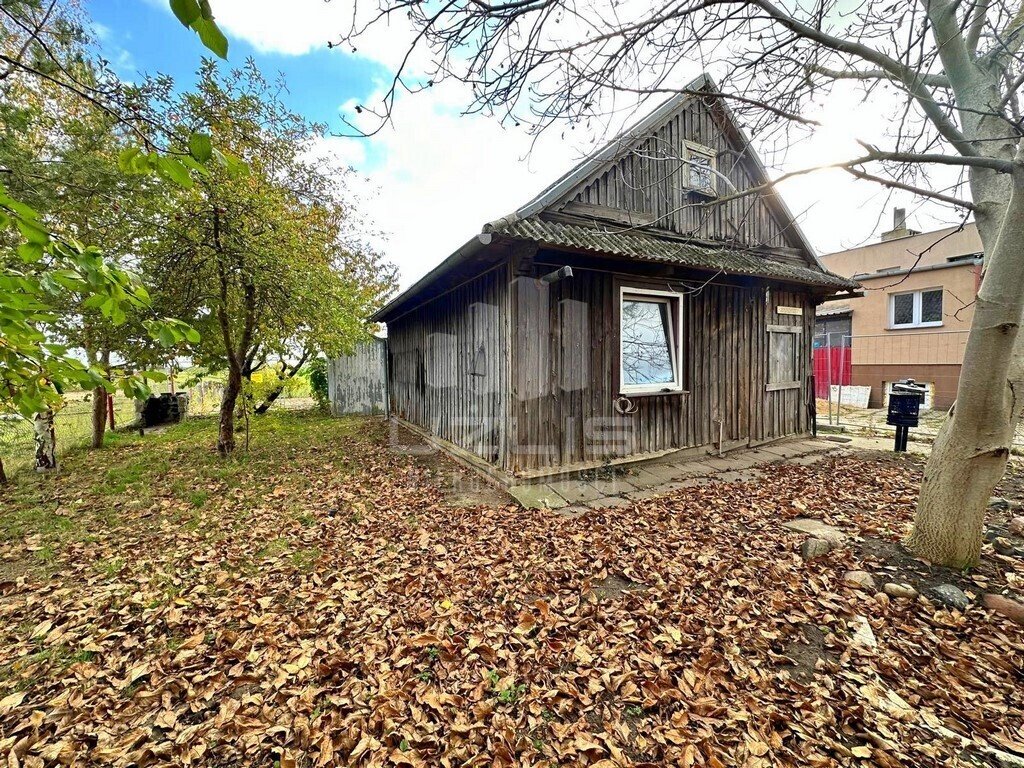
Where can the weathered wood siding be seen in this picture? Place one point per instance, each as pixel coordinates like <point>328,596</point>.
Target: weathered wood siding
<point>566,358</point>
<point>448,362</point>
<point>651,179</point>
<point>357,383</point>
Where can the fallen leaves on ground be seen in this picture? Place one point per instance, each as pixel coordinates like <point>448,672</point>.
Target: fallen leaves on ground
<point>320,603</point>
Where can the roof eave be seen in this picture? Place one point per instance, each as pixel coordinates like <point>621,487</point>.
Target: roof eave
<point>468,249</point>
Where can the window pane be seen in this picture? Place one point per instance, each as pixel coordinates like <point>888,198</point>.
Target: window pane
<point>903,309</point>
<point>701,176</point>
<point>931,306</point>
<point>646,350</point>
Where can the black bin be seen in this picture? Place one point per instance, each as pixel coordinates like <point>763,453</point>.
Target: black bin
<point>905,401</point>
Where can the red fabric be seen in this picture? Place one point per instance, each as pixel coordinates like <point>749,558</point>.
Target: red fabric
<point>831,366</point>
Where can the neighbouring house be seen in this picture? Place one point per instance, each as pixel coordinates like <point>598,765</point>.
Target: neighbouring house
<point>913,318</point>
<point>639,305</point>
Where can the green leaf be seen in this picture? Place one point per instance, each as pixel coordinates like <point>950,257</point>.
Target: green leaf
<point>200,146</point>
<point>187,11</point>
<point>33,232</point>
<point>126,159</point>
<point>30,252</point>
<point>192,335</point>
<point>170,168</point>
<point>211,36</point>
<point>166,336</point>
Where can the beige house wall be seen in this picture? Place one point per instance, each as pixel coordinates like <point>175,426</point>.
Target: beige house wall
<point>927,254</point>
<point>879,344</point>
<point>932,247</point>
<point>933,354</point>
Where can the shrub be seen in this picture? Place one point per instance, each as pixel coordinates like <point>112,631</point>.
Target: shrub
<point>318,383</point>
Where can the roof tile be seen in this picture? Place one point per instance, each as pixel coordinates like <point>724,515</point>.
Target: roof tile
<point>647,247</point>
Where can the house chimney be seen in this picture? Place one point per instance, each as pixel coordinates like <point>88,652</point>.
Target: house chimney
<point>899,226</point>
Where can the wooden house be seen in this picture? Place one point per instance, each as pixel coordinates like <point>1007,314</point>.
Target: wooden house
<point>639,305</point>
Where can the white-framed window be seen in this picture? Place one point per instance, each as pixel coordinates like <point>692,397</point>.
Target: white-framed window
<point>650,342</point>
<point>701,169</point>
<point>915,309</point>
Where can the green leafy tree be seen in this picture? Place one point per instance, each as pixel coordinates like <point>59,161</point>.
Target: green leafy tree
<point>62,116</point>
<point>258,252</point>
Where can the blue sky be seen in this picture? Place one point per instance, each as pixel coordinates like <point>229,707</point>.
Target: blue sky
<point>430,180</point>
<point>143,37</point>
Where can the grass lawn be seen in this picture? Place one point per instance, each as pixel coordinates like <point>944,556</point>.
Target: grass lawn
<point>325,600</point>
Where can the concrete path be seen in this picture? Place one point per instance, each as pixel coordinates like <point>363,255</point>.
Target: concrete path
<point>621,485</point>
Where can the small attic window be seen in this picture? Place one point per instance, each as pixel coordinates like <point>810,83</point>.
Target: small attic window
<point>701,168</point>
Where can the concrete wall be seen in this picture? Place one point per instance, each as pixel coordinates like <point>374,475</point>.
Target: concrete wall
<point>941,378</point>
<point>358,383</point>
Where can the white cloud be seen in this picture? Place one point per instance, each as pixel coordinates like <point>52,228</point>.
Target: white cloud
<point>438,176</point>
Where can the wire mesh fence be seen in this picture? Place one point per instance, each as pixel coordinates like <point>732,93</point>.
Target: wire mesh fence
<point>73,421</point>
<point>72,424</point>
<point>854,374</point>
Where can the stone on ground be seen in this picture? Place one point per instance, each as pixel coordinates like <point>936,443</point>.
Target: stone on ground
<point>816,528</point>
<point>1004,546</point>
<point>1016,526</point>
<point>863,635</point>
<point>538,496</point>
<point>892,589</point>
<point>1011,609</point>
<point>950,596</point>
<point>859,579</point>
<point>815,547</point>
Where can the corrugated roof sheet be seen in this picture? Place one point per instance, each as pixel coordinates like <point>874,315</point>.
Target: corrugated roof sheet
<point>647,247</point>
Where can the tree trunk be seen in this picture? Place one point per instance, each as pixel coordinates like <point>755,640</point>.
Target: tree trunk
<point>3,474</point>
<point>46,441</point>
<point>99,416</point>
<point>99,405</point>
<point>269,401</point>
<point>283,376</point>
<point>970,452</point>
<point>226,435</point>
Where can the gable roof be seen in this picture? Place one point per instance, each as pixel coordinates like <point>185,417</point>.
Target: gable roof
<point>528,223</point>
<point>563,188</point>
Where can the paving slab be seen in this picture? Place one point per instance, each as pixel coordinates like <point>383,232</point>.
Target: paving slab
<point>646,493</point>
<point>658,477</point>
<point>610,502</point>
<point>539,496</point>
<point>789,450</point>
<point>738,477</point>
<point>576,510</point>
<point>667,472</point>
<point>769,453</point>
<point>575,491</point>
<point>693,469</point>
<point>616,486</point>
<point>719,463</point>
<point>742,460</point>
<point>807,459</point>
<point>643,479</point>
